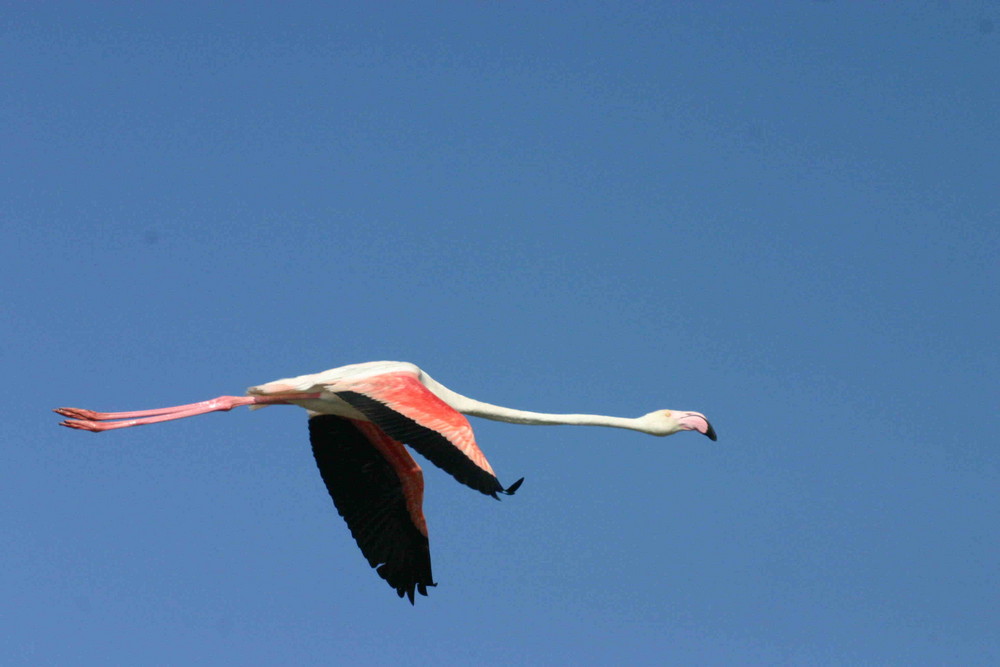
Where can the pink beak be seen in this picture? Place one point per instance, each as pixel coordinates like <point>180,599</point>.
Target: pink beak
<point>695,421</point>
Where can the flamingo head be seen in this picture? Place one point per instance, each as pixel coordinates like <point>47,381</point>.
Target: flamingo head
<point>668,422</point>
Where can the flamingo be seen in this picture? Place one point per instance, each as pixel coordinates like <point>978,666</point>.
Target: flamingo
<point>360,416</point>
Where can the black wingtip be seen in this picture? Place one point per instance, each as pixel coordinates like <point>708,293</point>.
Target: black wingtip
<point>409,592</point>
<point>512,489</point>
<point>509,491</point>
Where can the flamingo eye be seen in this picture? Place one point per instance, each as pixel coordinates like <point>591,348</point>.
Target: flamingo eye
<point>667,413</point>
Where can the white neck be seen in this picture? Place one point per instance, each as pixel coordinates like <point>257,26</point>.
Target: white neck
<point>474,408</point>
<point>502,414</point>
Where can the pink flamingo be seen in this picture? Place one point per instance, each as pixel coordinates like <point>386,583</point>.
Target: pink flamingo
<point>359,416</point>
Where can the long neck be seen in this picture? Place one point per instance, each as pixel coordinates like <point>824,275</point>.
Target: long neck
<point>502,414</point>
<point>474,408</point>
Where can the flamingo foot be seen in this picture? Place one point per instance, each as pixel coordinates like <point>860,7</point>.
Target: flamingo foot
<point>78,413</point>
<point>82,424</point>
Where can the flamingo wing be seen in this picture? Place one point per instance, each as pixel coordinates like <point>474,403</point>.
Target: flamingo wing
<point>378,488</point>
<point>407,411</point>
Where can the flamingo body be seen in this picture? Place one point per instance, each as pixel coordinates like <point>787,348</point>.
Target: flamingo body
<point>406,404</point>
<point>360,416</point>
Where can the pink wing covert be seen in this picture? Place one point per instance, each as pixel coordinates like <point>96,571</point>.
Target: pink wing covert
<point>407,411</point>
<point>405,394</point>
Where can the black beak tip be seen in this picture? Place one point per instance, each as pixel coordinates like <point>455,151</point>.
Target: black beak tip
<point>711,433</point>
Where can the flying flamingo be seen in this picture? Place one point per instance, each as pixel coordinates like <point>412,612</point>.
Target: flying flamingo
<point>359,416</point>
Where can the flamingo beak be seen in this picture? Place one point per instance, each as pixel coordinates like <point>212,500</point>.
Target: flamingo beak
<point>695,421</point>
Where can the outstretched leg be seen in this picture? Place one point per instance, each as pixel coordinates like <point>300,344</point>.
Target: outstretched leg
<point>88,420</point>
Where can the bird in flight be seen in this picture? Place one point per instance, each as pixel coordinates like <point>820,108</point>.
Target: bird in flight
<point>360,416</point>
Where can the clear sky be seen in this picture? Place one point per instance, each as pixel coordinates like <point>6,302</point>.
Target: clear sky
<point>785,215</point>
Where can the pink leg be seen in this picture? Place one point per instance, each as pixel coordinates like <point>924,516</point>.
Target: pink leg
<point>88,420</point>
<point>79,413</point>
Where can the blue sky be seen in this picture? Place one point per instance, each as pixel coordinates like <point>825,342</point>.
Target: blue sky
<point>784,216</point>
